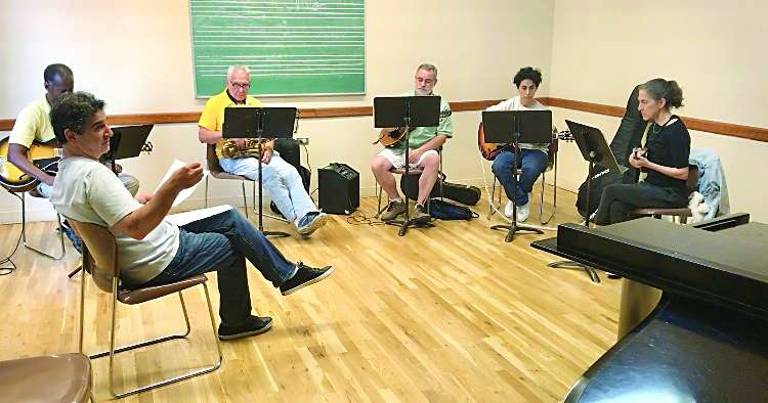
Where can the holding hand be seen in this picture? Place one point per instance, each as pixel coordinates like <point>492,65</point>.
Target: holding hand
<point>637,158</point>
<point>415,155</point>
<point>187,175</point>
<point>266,155</point>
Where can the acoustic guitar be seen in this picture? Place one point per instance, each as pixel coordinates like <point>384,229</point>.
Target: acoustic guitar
<point>391,138</point>
<point>42,155</point>
<point>489,151</point>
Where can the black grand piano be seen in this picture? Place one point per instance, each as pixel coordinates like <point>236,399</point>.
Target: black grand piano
<point>706,340</point>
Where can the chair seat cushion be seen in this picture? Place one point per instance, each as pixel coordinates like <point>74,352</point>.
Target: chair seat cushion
<point>680,212</point>
<point>139,295</point>
<point>53,378</point>
<point>227,175</point>
<point>401,171</point>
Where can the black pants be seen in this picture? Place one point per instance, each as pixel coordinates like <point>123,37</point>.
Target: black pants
<point>618,200</point>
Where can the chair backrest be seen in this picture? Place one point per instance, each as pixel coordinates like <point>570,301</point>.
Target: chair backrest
<point>99,253</point>
<point>692,183</point>
<point>212,159</point>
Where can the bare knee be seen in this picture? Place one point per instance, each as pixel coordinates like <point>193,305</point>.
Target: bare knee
<point>380,165</point>
<point>430,163</point>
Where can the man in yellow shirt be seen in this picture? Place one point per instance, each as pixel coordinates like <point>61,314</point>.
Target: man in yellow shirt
<point>281,179</point>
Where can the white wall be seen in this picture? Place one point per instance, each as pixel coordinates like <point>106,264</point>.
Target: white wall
<point>715,50</point>
<point>137,56</point>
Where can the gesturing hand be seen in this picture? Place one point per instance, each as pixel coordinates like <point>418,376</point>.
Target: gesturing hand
<point>187,175</point>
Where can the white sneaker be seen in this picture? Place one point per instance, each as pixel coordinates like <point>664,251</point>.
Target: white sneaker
<point>509,209</point>
<point>523,212</point>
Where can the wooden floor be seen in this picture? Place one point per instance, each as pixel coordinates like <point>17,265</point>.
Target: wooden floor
<point>445,314</point>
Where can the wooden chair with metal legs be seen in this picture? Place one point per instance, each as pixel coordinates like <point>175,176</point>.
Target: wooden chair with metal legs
<point>100,260</point>
<point>59,378</point>
<point>21,194</point>
<point>680,213</point>
<point>551,166</point>
<point>215,170</point>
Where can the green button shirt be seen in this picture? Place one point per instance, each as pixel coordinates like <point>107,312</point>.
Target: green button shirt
<point>421,135</point>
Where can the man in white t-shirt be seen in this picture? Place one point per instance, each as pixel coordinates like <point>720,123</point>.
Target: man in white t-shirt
<point>534,157</point>
<point>151,250</point>
<point>33,125</point>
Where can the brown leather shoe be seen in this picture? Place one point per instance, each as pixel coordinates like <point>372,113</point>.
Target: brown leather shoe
<point>394,209</point>
<point>420,214</point>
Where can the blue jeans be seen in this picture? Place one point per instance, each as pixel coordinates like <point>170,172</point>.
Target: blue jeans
<point>281,180</point>
<point>533,163</point>
<point>221,243</point>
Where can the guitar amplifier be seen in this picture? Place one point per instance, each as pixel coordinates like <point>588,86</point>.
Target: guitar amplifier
<point>339,189</point>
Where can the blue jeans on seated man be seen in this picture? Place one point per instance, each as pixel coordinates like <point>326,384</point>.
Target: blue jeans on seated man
<point>533,163</point>
<point>283,183</point>
<point>222,243</point>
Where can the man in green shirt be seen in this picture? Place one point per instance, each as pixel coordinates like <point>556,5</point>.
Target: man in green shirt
<point>424,143</point>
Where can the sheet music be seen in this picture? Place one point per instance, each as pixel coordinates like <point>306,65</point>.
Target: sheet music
<point>194,215</point>
<point>184,194</point>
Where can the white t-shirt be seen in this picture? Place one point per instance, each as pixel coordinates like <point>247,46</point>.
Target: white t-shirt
<point>514,104</point>
<point>87,191</point>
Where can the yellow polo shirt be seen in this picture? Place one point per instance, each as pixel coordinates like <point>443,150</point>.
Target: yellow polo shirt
<point>212,117</point>
<point>33,124</point>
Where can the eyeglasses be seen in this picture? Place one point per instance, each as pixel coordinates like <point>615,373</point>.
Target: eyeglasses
<point>242,86</point>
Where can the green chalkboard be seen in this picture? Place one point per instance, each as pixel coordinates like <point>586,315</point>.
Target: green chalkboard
<point>292,47</point>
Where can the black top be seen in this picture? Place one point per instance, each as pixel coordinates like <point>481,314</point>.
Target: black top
<point>668,145</point>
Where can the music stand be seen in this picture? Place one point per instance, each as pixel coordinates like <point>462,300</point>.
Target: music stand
<point>407,112</point>
<point>594,149</point>
<point>260,123</point>
<point>514,127</point>
<point>127,142</point>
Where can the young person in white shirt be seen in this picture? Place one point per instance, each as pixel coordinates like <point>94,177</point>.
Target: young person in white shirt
<point>533,158</point>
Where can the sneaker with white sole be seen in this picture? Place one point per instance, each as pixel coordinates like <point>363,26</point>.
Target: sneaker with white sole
<point>311,222</point>
<point>523,211</point>
<point>304,276</point>
<point>509,209</point>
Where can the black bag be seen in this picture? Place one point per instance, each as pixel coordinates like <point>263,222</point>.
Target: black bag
<point>463,194</point>
<point>444,210</point>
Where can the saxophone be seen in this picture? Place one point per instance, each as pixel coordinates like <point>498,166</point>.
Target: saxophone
<point>230,150</point>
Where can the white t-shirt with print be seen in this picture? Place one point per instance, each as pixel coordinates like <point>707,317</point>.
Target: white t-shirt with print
<point>85,190</point>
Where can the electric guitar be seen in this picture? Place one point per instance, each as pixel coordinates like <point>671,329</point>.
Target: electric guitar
<point>489,151</point>
<point>42,155</point>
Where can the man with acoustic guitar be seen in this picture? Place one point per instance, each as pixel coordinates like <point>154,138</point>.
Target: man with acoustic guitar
<point>32,139</point>
<point>424,143</point>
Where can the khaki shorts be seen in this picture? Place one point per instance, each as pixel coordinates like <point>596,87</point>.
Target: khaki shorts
<point>397,159</point>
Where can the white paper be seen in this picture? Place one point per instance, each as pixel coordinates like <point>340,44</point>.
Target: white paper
<point>184,194</point>
<point>194,215</point>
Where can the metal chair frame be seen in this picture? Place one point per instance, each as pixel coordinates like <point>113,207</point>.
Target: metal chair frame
<point>90,266</point>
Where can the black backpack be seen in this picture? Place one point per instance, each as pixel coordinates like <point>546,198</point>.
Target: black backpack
<point>444,210</point>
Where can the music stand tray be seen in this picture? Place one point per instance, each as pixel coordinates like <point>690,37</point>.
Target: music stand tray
<point>407,112</point>
<point>422,111</point>
<point>258,122</point>
<point>534,127</point>
<point>127,141</point>
<point>593,146</point>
